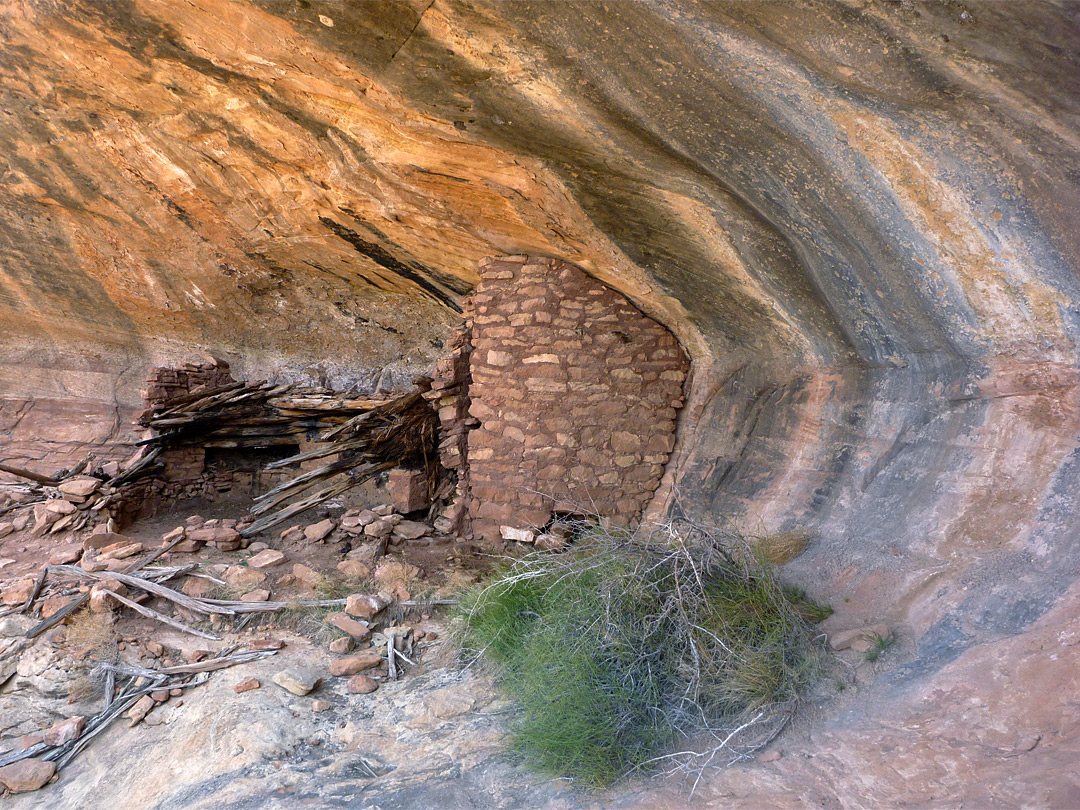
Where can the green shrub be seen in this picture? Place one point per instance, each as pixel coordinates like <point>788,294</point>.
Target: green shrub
<point>622,646</point>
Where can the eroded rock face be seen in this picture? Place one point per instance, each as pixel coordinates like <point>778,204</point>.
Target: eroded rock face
<point>858,219</point>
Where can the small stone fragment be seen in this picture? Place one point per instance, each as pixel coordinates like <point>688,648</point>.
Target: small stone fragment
<point>362,685</point>
<point>26,775</point>
<point>246,685</point>
<point>266,559</point>
<point>320,705</point>
<point>518,535</point>
<point>351,664</point>
<point>266,644</point>
<point>318,531</point>
<point>63,731</point>
<point>365,606</point>
<point>342,645</point>
<point>142,707</point>
<point>308,577</point>
<point>348,625</point>
<point>66,554</point>
<point>296,680</point>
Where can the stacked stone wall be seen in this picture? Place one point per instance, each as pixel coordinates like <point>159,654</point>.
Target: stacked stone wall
<point>449,394</point>
<point>576,392</point>
<point>166,384</point>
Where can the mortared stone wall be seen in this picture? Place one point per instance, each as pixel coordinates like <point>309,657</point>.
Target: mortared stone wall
<point>576,393</point>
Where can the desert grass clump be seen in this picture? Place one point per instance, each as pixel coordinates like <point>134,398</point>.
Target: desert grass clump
<point>630,643</point>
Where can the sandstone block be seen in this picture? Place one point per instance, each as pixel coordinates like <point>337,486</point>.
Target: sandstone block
<point>18,593</point>
<point>27,775</point>
<point>362,685</point>
<point>80,487</point>
<point>66,554</point>
<point>297,680</point>
<point>246,685</point>
<point>411,530</point>
<point>63,731</point>
<point>317,532</point>
<point>60,507</point>
<point>342,645</point>
<point>267,558</point>
<point>409,490</point>
<point>352,664</point>
<point>354,569</point>
<point>104,539</point>
<point>308,577</point>
<point>50,607</point>
<point>379,529</point>
<point>517,535</point>
<point>365,606</point>
<point>240,576</point>
<point>99,594</point>
<point>348,625</point>
<point>499,358</point>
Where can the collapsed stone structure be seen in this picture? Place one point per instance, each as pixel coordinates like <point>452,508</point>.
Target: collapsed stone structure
<point>557,395</point>
<point>206,470</point>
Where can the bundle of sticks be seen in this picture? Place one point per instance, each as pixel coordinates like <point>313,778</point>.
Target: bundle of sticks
<point>399,432</point>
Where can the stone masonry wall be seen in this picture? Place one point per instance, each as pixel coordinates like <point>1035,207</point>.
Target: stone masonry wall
<point>576,392</point>
<point>449,393</point>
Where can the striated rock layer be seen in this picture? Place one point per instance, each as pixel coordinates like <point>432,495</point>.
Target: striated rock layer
<point>859,219</point>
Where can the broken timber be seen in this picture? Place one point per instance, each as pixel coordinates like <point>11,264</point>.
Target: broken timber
<point>364,437</point>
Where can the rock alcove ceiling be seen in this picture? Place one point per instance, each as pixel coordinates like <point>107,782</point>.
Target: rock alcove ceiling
<point>859,218</point>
